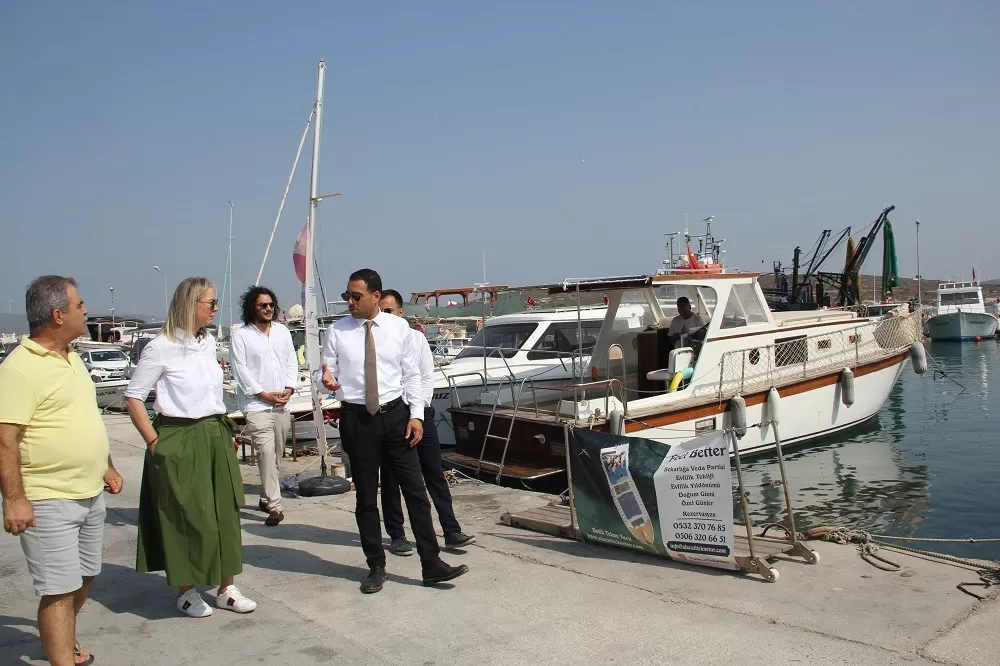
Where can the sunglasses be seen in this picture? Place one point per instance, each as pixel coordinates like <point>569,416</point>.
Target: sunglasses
<point>388,310</point>
<point>266,306</point>
<point>214,303</point>
<point>352,296</point>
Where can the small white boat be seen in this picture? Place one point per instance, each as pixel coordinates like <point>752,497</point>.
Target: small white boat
<point>961,313</point>
<point>536,352</point>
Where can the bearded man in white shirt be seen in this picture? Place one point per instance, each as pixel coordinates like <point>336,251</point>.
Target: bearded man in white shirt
<point>266,369</point>
<point>369,360</point>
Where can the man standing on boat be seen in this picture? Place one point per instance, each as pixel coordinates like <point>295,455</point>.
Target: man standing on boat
<point>687,321</point>
<point>266,370</point>
<point>368,359</point>
<point>54,462</point>
<point>428,451</point>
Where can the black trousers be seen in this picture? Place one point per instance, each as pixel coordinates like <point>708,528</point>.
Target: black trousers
<point>370,440</point>
<point>429,453</point>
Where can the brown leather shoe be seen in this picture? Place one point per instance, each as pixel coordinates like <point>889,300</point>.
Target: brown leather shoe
<point>273,518</point>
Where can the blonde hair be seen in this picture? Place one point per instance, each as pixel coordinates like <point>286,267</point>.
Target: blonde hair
<point>183,307</point>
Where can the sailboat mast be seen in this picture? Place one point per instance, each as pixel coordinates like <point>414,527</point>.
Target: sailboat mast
<point>310,312</point>
<point>229,263</point>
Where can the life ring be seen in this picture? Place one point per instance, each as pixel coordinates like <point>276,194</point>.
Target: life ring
<point>679,376</point>
<point>676,382</point>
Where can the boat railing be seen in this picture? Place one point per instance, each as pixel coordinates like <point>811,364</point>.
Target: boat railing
<point>801,356</point>
<point>456,401</point>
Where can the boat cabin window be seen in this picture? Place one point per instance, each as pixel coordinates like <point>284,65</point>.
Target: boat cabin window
<point>743,308</point>
<point>500,340</point>
<point>634,312</point>
<point>703,299</point>
<point>562,340</point>
<point>961,298</point>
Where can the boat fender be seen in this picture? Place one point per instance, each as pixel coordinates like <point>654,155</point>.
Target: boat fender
<point>738,415</point>
<point>772,405</point>
<point>617,422</point>
<point>918,356</point>
<point>847,386</point>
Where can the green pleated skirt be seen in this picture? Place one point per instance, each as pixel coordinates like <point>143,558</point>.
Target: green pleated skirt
<point>189,521</point>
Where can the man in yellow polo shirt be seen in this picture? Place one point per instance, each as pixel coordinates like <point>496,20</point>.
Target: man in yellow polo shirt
<point>54,462</point>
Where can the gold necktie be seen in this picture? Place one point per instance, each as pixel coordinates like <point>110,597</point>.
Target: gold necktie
<point>371,371</point>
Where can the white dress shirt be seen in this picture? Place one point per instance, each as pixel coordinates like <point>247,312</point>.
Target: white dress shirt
<point>185,373</point>
<point>425,361</point>
<point>679,324</point>
<point>396,361</point>
<point>262,362</point>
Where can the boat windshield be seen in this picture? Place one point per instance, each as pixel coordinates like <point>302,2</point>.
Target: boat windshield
<point>703,299</point>
<point>961,298</point>
<point>499,340</point>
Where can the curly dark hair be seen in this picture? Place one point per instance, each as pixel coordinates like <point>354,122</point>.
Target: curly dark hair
<point>249,302</point>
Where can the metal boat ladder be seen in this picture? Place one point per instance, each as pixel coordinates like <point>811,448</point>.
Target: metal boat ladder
<point>506,379</point>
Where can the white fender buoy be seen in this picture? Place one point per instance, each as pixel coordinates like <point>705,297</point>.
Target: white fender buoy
<point>772,405</point>
<point>847,386</point>
<point>617,422</point>
<point>738,415</point>
<point>918,357</point>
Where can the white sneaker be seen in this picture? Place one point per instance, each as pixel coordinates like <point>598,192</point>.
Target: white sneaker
<point>191,604</point>
<point>232,599</point>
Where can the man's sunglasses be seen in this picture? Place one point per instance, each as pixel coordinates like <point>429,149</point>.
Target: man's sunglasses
<point>266,306</point>
<point>213,303</point>
<point>352,296</point>
<point>387,310</point>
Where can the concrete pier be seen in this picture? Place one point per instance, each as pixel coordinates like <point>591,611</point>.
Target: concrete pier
<point>529,598</point>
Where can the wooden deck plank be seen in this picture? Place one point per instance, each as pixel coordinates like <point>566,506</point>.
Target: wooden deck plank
<point>516,469</point>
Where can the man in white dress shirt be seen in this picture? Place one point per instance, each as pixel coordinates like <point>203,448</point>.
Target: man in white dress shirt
<point>428,451</point>
<point>687,320</point>
<point>266,369</point>
<point>368,359</point>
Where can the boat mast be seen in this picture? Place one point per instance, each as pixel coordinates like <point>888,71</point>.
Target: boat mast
<point>309,305</point>
<point>229,263</point>
<point>920,300</point>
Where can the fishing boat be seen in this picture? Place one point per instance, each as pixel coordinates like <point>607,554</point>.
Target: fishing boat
<point>832,369</point>
<point>961,313</point>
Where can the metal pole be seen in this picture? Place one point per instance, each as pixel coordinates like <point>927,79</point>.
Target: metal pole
<point>920,298</point>
<point>288,185</point>
<point>112,306</point>
<point>166,302</point>
<point>229,263</point>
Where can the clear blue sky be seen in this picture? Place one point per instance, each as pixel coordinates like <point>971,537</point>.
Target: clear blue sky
<point>564,138</point>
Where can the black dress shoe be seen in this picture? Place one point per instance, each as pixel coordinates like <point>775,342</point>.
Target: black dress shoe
<point>458,540</point>
<point>439,572</point>
<point>374,580</point>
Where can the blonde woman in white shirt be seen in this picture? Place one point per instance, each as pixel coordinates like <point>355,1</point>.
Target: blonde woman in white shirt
<point>189,523</point>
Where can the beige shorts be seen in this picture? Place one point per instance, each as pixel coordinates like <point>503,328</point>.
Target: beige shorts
<point>65,543</point>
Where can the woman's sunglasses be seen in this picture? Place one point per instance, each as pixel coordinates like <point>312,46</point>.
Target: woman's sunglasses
<point>213,303</point>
